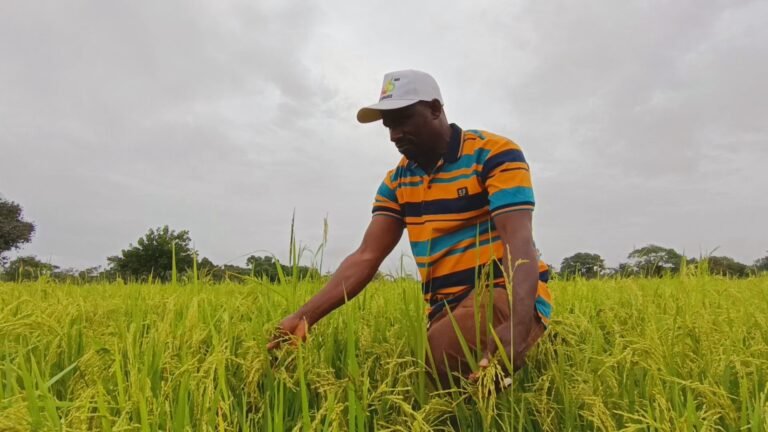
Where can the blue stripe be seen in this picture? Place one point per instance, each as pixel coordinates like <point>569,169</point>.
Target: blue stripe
<point>499,159</point>
<point>446,206</point>
<point>468,161</point>
<point>453,179</point>
<point>544,276</point>
<point>387,192</point>
<point>464,162</point>
<point>464,249</point>
<point>410,169</point>
<point>511,196</point>
<point>439,244</point>
<point>459,278</point>
<point>544,308</point>
<point>415,183</point>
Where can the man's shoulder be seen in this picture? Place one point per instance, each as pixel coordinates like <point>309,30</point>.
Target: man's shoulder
<point>399,170</point>
<point>482,144</point>
<point>486,138</point>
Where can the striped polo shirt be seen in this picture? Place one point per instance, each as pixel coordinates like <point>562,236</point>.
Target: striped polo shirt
<point>448,212</point>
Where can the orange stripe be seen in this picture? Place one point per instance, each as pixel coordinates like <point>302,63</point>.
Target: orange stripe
<point>450,174</point>
<point>508,180</point>
<point>408,179</point>
<point>510,165</point>
<point>436,257</point>
<point>436,229</point>
<point>417,195</point>
<point>543,292</point>
<point>451,190</point>
<point>492,142</point>
<point>470,259</point>
<point>509,209</point>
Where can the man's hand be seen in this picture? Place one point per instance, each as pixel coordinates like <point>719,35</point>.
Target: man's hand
<point>521,263</point>
<point>293,328</point>
<point>482,365</point>
<point>353,275</point>
<point>518,357</point>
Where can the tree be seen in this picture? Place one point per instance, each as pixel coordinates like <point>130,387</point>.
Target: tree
<point>584,264</point>
<point>205,265</point>
<point>14,230</point>
<point>622,270</point>
<point>727,266</point>
<point>761,264</point>
<point>153,254</point>
<point>655,261</point>
<point>256,266</point>
<point>27,268</point>
<point>263,267</point>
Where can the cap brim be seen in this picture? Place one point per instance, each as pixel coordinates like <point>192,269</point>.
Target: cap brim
<point>372,113</point>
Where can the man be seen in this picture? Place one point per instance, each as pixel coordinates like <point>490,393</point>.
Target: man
<point>466,200</point>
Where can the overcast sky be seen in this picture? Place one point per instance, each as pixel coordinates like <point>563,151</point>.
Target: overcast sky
<point>643,121</point>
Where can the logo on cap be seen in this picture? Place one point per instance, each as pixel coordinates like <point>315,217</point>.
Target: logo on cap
<point>388,88</point>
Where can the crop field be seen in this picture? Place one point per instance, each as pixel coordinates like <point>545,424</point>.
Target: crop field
<point>672,354</point>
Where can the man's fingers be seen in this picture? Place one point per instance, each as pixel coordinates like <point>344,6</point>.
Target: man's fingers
<point>482,364</point>
<point>275,343</point>
<point>298,335</point>
<point>278,337</point>
<point>302,330</point>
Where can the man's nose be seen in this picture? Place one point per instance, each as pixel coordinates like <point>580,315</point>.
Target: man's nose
<point>395,134</point>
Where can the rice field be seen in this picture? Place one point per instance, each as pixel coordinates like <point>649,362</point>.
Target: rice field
<point>673,354</point>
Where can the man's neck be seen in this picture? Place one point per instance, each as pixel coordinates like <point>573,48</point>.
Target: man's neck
<point>430,161</point>
<point>428,165</point>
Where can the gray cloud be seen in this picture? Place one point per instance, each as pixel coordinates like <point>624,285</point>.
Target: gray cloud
<point>643,121</point>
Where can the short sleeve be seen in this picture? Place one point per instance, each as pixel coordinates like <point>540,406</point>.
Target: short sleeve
<point>507,178</point>
<point>386,199</point>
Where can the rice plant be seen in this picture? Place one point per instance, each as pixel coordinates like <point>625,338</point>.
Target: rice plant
<point>684,353</point>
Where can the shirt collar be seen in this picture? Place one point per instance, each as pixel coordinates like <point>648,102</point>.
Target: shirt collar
<point>454,144</point>
<point>453,152</point>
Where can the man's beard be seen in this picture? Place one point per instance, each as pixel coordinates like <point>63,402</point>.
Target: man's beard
<point>409,149</point>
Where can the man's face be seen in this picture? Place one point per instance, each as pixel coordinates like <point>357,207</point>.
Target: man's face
<point>412,129</point>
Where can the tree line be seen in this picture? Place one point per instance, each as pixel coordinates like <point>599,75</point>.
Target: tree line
<point>156,256</point>
<point>657,261</point>
<point>162,254</point>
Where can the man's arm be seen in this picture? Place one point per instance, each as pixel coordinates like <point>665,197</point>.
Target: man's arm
<point>515,230</point>
<point>352,276</point>
<point>507,178</point>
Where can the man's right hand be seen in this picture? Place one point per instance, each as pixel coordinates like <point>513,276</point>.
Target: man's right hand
<point>353,275</point>
<point>293,328</point>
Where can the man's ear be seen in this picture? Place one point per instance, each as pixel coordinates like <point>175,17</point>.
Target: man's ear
<point>435,108</point>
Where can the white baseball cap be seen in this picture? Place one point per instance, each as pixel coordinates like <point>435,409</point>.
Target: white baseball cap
<point>400,89</point>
